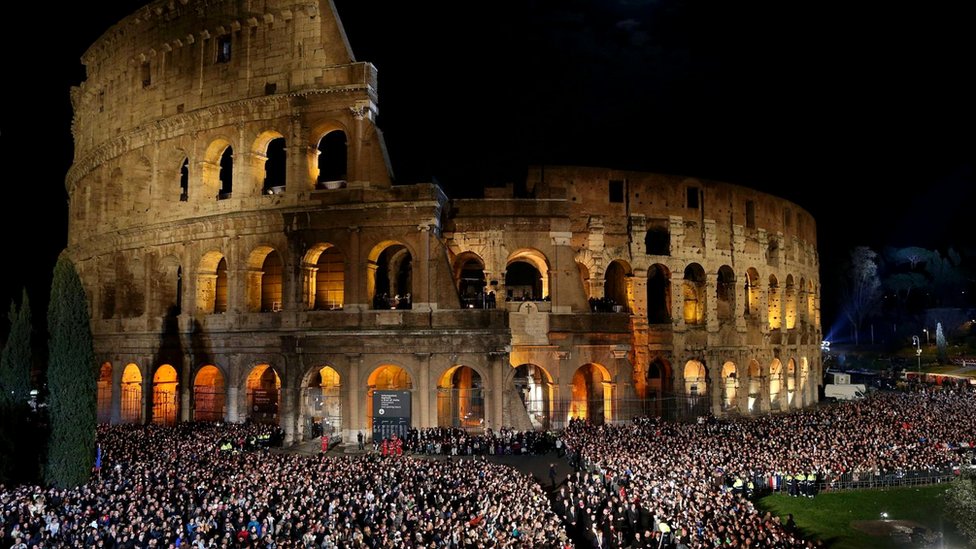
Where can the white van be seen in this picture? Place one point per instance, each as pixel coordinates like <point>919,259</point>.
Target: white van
<point>845,391</point>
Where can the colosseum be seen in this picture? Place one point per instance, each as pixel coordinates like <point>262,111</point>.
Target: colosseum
<point>248,257</point>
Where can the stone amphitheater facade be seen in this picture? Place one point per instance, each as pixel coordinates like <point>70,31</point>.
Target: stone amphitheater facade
<point>247,257</point>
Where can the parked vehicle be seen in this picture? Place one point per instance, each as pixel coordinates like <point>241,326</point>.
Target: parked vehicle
<point>845,391</point>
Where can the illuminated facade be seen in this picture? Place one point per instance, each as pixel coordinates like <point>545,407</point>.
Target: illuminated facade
<point>247,256</point>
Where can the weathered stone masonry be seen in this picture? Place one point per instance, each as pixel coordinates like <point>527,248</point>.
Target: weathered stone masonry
<point>247,256</point>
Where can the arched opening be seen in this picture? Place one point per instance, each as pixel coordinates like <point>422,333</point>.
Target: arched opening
<point>775,383</point>
<point>773,302</point>
<point>534,386</point>
<point>185,180</point>
<point>325,278</point>
<point>725,294</point>
<point>226,176</point>
<point>104,410</point>
<point>220,288</point>
<point>387,377</point>
<point>131,394</point>
<point>263,389</point>
<point>264,281</point>
<point>469,273</point>
<point>461,399</point>
<point>752,294</point>
<point>323,403</point>
<point>616,286</point>
<point>790,382</point>
<point>790,306</point>
<point>392,278</point>
<point>693,292</point>
<point>275,167</point>
<point>658,294</point>
<point>592,395</point>
<point>166,396</point>
<point>523,282</point>
<point>209,396</point>
<point>731,381</point>
<point>657,240</point>
<point>755,385</point>
<point>696,387</point>
<point>658,384</point>
<point>332,157</point>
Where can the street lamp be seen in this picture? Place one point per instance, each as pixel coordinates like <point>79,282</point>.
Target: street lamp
<point>926,330</point>
<point>918,353</point>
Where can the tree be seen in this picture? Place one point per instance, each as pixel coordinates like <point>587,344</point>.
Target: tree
<point>16,358</point>
<point>860,287</point>
<point>71,379</point>
<point>960,503</point>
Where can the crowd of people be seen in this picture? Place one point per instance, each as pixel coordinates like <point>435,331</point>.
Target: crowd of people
<point>459,442</point>
<point>175,487</point>
<point>647,483</point>
<point>660,484</point>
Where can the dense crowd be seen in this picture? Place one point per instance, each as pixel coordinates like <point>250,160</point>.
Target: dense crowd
<point>645,484</point>
<point>175,487</point>
<point>653,483</point>
<point>458,442</point>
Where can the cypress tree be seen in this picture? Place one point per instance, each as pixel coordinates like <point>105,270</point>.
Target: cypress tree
<point>16,359</point>
<point>71,381</point>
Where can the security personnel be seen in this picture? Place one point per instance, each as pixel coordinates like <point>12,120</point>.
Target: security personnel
<point>737,486</point>
<point>750,489</point>
<point>665,533</point>
<point>801,484</point>
<point>791,486</point>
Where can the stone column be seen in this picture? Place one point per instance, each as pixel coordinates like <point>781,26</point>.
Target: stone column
<point>354,394</point>
<point>297,172</point>
<point>186,388</point>
<point>287,409</point>
<point>638,283</point>
<point>355,277</point>
<point>424,393</point>
<point>116,407</point>
<point>498,362</point>
<point>147,392</point>
<point>232,405</point>
<point>716,385</point>
<point>422,299</point>
<point>711,302</point>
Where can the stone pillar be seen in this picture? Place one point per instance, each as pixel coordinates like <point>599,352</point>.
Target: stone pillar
<point>422,299</point>
<point>186,389</point>
<point>355,277</point>
<point>498,363</point>
<point>298,165</point>
<point>309,288</point>
<point>233,385</point>
<point>638,283</point>
<point>711,302</point>
<point>362,117</point>
<point>716,385</point>
<point>287,403</point>
<point>147,393</point>
<point>425,394</point>
<point>255,165</point>
<point>624,396</point>
<point>677,303</point>
<point>355,392</point>
<point>116,407</point>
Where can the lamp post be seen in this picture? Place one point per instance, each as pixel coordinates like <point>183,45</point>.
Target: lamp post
<point>918,353</point>
<point>926,330</point>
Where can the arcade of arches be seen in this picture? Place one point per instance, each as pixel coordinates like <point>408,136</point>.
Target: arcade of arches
<point>325,401</point>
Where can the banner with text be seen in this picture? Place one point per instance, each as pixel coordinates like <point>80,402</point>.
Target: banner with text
<point>391,414</point>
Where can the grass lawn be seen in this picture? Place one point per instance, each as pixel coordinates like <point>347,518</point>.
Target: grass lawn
<point>829,516</point>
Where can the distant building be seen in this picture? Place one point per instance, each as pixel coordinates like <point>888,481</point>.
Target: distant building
<point>247,256</point>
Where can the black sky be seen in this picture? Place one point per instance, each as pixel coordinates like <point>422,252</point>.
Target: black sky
<point>863,115</point>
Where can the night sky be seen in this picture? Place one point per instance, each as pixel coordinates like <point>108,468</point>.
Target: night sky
<point>863,116</point>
